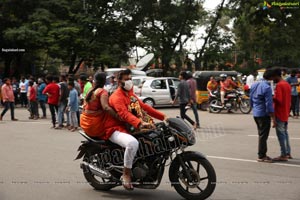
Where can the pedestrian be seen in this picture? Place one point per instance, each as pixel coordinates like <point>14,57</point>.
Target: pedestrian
<point>293,81</point>
<point>41,97</point>
<point>73,106</point>
<point>250,80</point>
<point>212,85</point>
<point>33,101</point>
<point>263,111</point>
<point>52,92</point>
<point>63,100</point>
<point>282,105</point>
<point>8,99</point>
<point>192,88</point>
<point>78,89</point>
<point>23,92</point>
<point>183,94</point>
<point>15,86</point>
<point>298,90</point>
<point>86,85</point>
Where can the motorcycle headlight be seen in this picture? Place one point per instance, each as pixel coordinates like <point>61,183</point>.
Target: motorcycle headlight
<point>183,129</point>
<point>191,137</point>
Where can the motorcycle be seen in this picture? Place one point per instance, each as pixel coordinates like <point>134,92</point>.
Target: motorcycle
<point>233,101</point>
<point>190,173</point>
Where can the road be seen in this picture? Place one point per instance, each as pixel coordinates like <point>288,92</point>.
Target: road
<point>37,162</point>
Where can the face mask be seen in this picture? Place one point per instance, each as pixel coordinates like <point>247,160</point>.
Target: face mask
<point>128,85</point>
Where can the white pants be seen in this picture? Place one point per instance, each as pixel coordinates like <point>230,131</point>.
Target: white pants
<point>222,96</point>
<point>128,142</point>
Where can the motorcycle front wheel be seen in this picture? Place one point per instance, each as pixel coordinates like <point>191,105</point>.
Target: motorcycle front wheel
<point>245,106</point>
<point>202,180</point>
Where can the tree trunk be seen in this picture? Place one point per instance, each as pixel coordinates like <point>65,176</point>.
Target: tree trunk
<point>199,57</point>
<point>7,63</point>
<point>72,64</point>
<point>78,65</point>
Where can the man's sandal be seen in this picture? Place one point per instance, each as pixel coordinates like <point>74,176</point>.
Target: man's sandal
<point>126,184</point>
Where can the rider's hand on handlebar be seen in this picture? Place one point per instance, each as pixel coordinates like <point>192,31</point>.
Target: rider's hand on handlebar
<point>145,125</point>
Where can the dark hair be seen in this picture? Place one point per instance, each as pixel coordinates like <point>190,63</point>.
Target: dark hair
<point>71,83</point>
<point>123,73</point>
<point>276,72</point>
<point>5,79</point>
<point>56,79</point>
<point>267,74</point>
<point>83,77</point>
<point>30,83</point>
<point>49,78</point>
<point>99,80</point>
<point>63,77</point>
<point>189,75</point>
<point>183,74</point>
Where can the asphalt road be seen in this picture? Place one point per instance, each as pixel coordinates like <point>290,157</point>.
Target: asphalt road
<point>37,162</point>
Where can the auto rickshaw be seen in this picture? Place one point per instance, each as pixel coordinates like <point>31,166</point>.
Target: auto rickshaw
<point>202,78</point>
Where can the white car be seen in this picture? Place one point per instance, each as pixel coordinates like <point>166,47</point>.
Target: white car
<point>159,91</point>
<point>138,83</point>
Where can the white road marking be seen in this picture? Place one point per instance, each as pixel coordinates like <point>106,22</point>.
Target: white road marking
<point>253,161</point>
<point>274,137</point>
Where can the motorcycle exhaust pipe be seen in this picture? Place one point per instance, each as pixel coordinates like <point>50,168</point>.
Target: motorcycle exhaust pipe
<point>216,106</point>
<point>96,171</point>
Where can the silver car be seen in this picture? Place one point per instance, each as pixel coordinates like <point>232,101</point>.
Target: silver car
<point>159,91</point>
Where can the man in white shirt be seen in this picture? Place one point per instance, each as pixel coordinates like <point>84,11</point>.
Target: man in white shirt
<point>250,80</point>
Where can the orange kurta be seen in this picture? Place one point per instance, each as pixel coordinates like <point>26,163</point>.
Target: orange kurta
<point>131,109</point>
<point>95,121</point>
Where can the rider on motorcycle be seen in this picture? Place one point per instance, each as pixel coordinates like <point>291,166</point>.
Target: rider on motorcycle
<point>212,85</point>
<point>133,112</point>
<point>227,85</point>
<point>100,120</point>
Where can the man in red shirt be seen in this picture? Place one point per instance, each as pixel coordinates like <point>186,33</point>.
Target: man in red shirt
<point>33,101</point>
<point>282,105</point>
<point>52,91</point>
<point>8,99</point>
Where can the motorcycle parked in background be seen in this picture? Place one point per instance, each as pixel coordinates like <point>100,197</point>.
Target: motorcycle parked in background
<point>190,173</point>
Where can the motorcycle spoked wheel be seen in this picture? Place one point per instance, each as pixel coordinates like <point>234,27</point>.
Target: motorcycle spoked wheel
<point>97,182</point>
<point>202,173</point>
<point>214,109</point>
<point>245,107</point>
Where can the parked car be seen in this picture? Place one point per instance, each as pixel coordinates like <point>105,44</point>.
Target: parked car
<point>138,83</point>
<point>159,91</point>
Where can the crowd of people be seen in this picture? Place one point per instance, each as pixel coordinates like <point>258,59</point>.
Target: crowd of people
<point>62,94</point>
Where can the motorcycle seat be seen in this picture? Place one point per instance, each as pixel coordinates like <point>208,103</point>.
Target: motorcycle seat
<point>94,140</point>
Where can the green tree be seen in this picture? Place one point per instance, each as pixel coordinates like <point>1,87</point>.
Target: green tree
<point>167,25</point>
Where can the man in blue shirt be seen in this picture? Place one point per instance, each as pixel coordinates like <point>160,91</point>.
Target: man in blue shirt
<point>261,101</point>
<point>293,81</point>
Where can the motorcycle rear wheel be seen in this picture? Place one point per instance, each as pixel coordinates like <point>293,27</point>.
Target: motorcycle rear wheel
<point>97,182</point>
<point>184,187</point>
